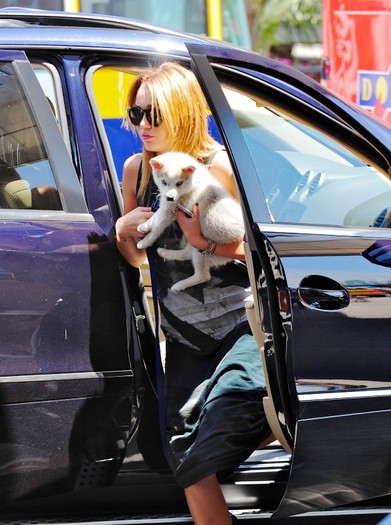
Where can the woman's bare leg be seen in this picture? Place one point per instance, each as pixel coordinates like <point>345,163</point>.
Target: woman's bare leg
<point>206,502</point>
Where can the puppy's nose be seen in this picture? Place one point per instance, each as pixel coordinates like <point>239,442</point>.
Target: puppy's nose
<point>171,195</point>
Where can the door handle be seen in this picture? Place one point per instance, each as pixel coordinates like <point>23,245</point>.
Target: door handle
<point>327,295</point>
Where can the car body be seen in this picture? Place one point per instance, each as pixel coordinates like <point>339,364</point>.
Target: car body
<point>80,370</point>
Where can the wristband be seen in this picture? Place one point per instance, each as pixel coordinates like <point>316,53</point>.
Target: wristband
<point>210,248</point>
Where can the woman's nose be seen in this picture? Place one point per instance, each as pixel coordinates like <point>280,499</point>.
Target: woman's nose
<point>144,122</point>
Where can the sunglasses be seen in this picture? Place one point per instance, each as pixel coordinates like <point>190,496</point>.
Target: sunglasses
<point>136,115</point>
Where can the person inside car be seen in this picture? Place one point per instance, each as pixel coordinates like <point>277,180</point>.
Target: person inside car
<point>214,381</point>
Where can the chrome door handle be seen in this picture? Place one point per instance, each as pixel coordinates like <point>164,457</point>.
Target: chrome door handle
<point>324,298</point>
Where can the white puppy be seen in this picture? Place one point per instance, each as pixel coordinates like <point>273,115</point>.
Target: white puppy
<point>182,182</point>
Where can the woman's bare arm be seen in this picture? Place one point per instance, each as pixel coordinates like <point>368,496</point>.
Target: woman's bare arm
<point>126,226</point>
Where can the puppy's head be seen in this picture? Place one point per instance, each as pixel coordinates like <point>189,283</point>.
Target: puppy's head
<point>172,173</point>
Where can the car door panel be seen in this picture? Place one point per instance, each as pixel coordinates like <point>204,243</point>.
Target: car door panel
<point>323,305</point>
<point>336,360</point>
<point>66,380</point>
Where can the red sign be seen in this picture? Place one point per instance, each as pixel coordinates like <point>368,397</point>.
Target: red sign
<point>357,45</point>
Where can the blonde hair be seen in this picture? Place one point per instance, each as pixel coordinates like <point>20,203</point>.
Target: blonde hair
<point>179,102</point>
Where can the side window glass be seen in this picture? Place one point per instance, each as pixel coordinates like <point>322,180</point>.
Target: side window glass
<point>307,176</point>
<point>49,80</point>
<point>26,177</point>
<point>111,110</point>
<point>46,82</point>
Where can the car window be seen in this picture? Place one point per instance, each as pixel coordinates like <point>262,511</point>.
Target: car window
<point>46,82</point>
<point>26,176</point>
<point>307,176</point>
<point>110,110</point>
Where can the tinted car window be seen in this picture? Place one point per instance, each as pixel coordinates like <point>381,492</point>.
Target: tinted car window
<point>306,175</point>
<point>26,176</point>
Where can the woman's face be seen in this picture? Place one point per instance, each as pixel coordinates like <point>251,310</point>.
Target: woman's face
<point>154,138</point>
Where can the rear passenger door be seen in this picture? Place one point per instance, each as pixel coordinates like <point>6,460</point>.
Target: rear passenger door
<point>66,380</point>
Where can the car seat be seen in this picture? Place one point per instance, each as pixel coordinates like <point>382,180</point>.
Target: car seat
<point>16,193</point>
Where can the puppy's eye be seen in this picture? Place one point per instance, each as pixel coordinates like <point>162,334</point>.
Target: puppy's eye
<point>164,182</point>
<point>179,183</point>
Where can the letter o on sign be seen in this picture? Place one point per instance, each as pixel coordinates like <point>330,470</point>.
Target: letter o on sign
<point>381,90</point>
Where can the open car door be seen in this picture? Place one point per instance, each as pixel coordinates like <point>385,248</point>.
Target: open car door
<point>312,175</point>
<point>66,380</point>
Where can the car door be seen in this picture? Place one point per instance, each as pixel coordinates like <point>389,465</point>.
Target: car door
<point>313,179</point>
<point>66,380</point>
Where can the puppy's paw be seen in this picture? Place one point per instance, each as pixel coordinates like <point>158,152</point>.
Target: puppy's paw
<point>142,244</point>
<point>166,254</point>
<point>177,287</point>
<point>144,227</point>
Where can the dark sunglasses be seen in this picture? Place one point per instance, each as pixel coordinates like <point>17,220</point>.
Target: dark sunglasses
<point>136,115</point>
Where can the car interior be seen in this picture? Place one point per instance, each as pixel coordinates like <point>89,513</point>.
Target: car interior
<point>26,181</point>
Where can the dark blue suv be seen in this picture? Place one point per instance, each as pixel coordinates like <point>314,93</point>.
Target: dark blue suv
<point>80,368</point>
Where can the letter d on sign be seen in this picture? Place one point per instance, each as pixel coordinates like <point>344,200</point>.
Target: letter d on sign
<point>366,92</point>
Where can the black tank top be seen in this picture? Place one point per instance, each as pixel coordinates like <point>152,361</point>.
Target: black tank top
<point>201,316</point>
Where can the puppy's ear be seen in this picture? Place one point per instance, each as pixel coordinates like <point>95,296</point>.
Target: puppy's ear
<point>155,164</point>
<point>188,170</point>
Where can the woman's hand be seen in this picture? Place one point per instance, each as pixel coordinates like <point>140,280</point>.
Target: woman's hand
<point>128,236</point>
<point>191,228</point>
<point>126,225</point>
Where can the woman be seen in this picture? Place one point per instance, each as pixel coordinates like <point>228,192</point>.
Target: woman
<point>213,375</point>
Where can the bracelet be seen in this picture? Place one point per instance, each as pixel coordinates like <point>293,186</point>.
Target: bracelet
<point>210,248</point>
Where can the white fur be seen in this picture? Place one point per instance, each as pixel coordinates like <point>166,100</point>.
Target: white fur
<point>180,178</point>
